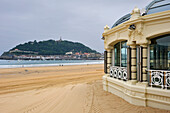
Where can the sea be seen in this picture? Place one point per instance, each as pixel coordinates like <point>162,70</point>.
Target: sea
<point>41,63</point>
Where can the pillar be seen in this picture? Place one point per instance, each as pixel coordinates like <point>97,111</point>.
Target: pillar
<point>109,59</point>
<point>133,65</point>
<point>144,63</point>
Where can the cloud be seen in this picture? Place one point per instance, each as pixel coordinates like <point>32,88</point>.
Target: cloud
<point>76,20</point>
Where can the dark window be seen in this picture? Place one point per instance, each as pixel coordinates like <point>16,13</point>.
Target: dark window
<point>160,53</point>
<point>120,52</point>
<point>117,54</point>
<point>124,54</point>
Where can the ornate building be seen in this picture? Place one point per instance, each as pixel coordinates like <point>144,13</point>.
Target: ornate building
<point>137,56</point>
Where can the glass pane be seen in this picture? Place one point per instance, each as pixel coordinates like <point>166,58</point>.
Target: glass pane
<point>124,54</point>
<point>160,53</point>
<point>117,54</point>
<point>159,9</point>
<point>161,3</point>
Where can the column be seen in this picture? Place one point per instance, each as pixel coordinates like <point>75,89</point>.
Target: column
<point>129,63</point>
<point>109,59</point>
<point>133,65</point>
<point>144,63</point>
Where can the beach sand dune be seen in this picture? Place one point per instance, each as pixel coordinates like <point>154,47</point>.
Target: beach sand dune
<point>66,89</point>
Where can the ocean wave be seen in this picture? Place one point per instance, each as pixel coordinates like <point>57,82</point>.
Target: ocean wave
<point>43,64</point>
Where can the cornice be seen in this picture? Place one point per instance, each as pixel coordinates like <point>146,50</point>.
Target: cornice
<point>157,16</point>
<point>143,19</point>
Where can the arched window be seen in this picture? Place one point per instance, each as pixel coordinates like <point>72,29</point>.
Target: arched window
<point>120,54</point>
<point>160,53</point>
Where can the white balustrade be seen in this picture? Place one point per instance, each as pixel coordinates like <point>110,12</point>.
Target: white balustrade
<point>118,72</point>
<point>159,78</point>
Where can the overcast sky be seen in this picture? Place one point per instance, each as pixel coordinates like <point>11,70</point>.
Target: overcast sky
<point>75,20</point>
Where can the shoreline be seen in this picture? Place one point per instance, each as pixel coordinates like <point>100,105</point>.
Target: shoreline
<point>51,64</point>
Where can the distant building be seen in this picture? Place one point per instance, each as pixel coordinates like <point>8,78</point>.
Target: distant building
<point>77,53</point>
<point>59,39</point>
<point>137,63</point>
<point>69,53</point>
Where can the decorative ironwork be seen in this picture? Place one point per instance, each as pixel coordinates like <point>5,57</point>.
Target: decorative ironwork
<point>111,72</point>
<point>118,72</point>
<point>167,77</point>
<point>159,78</point>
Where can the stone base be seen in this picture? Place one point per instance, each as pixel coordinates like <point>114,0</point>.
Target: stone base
<point>132,82</point>
<point>138,93</point>
<point>143,84</point>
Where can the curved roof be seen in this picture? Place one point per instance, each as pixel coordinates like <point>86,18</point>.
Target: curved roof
<point>122,19</point>
<point>154,7</point>
<point>158,6</point>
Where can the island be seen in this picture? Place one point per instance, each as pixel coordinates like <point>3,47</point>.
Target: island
<point>51,50</point>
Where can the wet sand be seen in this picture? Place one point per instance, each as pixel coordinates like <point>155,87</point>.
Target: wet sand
<point>61,89</point>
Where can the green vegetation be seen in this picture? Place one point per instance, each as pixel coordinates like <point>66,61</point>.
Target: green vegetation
<point>51,47</point>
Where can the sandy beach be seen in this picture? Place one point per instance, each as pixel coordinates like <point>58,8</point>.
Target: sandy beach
<point>61,89</point>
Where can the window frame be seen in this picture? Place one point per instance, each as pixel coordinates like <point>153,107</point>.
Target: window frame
<point>120,59</point>
<point>149,54</point>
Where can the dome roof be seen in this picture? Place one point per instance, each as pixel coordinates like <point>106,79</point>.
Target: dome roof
<point>122,19</point>
<point>158,6</point>
<point>154,7</point>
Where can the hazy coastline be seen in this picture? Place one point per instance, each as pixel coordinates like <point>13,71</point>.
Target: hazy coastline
<point>45,63</point>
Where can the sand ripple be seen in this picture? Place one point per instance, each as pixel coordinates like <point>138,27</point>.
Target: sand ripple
<point>67,89</point>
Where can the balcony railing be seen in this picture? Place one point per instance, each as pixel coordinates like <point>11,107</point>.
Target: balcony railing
<point>159,78</point>
<point>118,72</point>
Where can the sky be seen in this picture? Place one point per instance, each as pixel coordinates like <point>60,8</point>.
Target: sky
<point>74,20</point>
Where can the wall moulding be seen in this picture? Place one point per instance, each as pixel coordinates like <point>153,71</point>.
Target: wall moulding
<point>146,27</point>
<point>137,95</point>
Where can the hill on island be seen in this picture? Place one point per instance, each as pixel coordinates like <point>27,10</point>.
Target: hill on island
<point>49,47</point>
